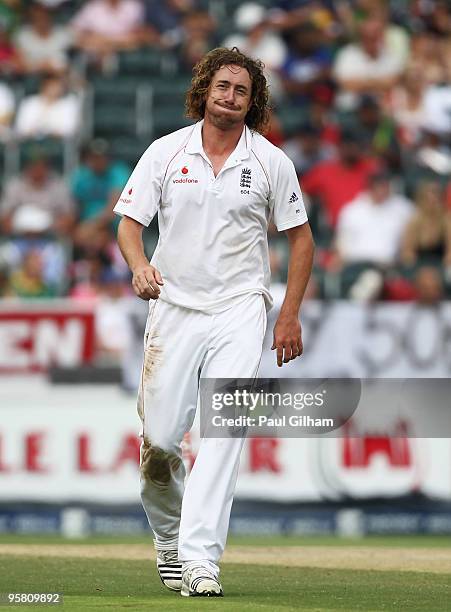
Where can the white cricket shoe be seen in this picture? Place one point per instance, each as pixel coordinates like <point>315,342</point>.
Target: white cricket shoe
<point>169,569</point>
<point>199,581</point>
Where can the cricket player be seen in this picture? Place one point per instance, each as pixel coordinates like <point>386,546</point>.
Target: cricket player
<point>214,185</point>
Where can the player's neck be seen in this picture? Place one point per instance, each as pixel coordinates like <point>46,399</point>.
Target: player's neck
<point>217,141</point>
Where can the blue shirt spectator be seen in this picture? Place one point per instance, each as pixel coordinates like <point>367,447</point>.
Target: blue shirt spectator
<point>167,18</point>
<point>308,64</point>
<point>98,182</point>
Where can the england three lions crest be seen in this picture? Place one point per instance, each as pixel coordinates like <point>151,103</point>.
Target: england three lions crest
<point>246,180</point>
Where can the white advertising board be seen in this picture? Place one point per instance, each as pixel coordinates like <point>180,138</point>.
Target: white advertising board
<point>66,443</point>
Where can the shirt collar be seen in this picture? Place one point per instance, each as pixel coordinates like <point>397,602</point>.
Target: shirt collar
<point>242,150</point>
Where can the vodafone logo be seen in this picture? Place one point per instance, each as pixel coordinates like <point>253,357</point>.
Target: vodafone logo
<point>127,200</point>
<point>185,171</point>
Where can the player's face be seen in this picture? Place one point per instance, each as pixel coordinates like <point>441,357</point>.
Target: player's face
<point>229,97</point>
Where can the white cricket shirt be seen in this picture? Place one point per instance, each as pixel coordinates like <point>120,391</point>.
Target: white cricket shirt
<point>213,244</point>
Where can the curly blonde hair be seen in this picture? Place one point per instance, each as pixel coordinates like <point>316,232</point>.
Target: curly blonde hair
<point>257,117</point>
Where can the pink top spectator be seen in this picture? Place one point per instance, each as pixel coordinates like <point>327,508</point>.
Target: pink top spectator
<point>109,18</point>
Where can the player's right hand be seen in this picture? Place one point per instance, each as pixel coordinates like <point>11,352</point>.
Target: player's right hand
<point>146,281</point>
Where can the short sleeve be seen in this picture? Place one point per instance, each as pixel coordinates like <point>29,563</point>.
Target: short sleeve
<point>286,198</point>
<point>141,195</point>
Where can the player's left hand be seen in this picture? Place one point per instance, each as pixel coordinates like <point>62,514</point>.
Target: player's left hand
<point>287,338</point>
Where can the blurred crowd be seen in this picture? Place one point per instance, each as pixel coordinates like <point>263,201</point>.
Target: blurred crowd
<point>361,97</point>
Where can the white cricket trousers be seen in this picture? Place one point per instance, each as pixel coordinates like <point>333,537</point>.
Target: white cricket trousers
<point>182,345</point>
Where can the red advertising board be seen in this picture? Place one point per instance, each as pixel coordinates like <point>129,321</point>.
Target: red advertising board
<point>37,335</point>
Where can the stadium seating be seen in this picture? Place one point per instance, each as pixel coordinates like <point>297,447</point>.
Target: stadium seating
<point>111,97</point>
<point>146,62</point>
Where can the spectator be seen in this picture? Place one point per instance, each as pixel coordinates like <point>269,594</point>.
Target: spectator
<point>43,45</point>
<point>436,17</point>
<point>288,14</point>
<point>28,280</point>
<point>306,150</point>
<point>406,104</point>
<point>7,104</point>
<point>85,273</point>
<point>198,28</point>
<point>104,27</point>
<point>425,52</point>
<point>164,20</point>
<point>370,228</point>
<point>306,69</point>
<point>437,110</point>
<point>367,66</point>
<point>377,132</point>
<point>431,159</point>
<point>338,181</point>
<point>53,112</point>
<point>112,325</point>
<point>96,186</point>
<point>427,237</point>
<point>32,227</point>
<point>396,38</point>
<point>257,38</point>
<point>351,13</point>
<point>37,190</point>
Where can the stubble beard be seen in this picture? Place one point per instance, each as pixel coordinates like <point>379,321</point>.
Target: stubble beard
<point>223,121</point>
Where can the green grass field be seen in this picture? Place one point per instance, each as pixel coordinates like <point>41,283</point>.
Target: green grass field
<point>90,583</point>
